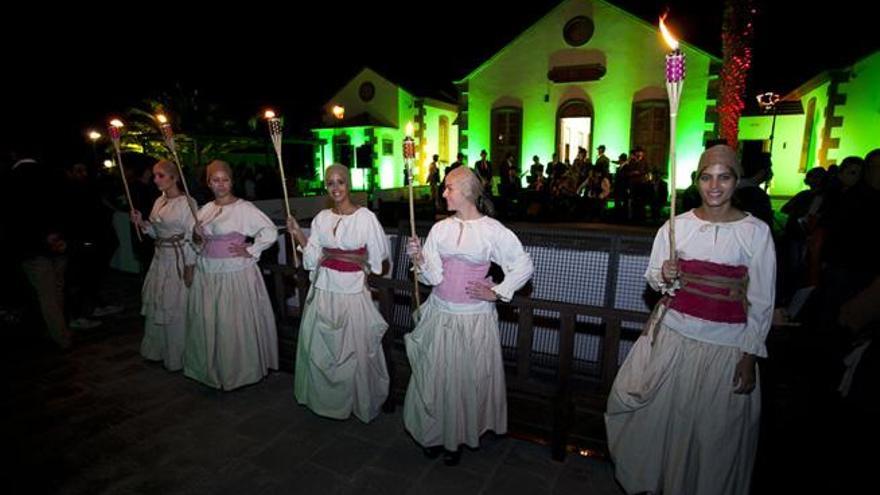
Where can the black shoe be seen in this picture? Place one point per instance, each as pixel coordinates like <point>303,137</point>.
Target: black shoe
<point>432,452</point>
<point>452,457</point>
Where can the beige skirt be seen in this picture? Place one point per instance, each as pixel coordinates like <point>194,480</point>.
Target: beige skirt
<point>457,389</point>
<point>675,425</point>
<point>340,365</point>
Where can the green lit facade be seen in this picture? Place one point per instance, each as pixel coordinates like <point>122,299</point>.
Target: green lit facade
<point>588,60</point>
<point>839,119</point>
<point>368,137</point>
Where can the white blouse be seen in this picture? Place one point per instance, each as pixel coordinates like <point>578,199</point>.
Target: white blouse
<point>349,232</point>
<point>170,218</point>
<point>242,217</point>
<point>477,241</point>
<point>745,242</point>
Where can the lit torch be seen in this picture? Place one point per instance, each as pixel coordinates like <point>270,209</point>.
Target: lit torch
<point>675,71</point>
<point>168,136</point>
<point>274,123</point>
<point>409,156</point>
<point>115,132</point>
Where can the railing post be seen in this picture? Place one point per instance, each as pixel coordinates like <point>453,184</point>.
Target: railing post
<point>386,305</point>
<point>278,290</point>
<point>524,335</point>
<point>562,403</point>
<point>610,353</point>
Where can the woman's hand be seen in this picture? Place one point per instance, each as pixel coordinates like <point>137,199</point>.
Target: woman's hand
<point>478,289</point>
<point>744,377</point>
<point>414,250</point>
<point>295,231</point>
<point>137,219</point>
<point>240,250</point>
<point>198,235</point>
<point>670,271</point>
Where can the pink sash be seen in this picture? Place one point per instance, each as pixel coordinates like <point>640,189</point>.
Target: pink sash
<point>457,273</point>
<point>342,260</point>
<point>217,246</point>
<point>712,291</point>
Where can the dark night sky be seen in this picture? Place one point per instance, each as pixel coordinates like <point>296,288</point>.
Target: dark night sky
<point>65,69</point>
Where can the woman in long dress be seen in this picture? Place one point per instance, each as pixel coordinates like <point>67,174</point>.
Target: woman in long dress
<point>684,409</point>
<point>231,339</point>
<point>457,389</point>
<point>164,294</point>
<point>340,365</point>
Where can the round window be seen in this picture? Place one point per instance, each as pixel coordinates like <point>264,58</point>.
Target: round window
<point>578,30</point>
<point>367,91</point>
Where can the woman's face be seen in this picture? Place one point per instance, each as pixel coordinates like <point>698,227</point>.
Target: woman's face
<point>716,184</point>
<point>455,192</point>
<point>337,187</point>
<point>220,184</point>
<point>163,180</point>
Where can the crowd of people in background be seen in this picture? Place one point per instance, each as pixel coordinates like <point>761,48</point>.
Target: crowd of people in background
<point>578,190</point>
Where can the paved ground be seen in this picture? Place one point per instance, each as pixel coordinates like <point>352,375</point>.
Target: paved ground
<point>98,419</point>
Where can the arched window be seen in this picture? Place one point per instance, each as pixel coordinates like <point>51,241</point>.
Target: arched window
<point>506,133</point>
<point>443,137</point>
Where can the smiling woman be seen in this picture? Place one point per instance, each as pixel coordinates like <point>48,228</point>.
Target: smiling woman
<point>340,364</point>
<point>690,381</point>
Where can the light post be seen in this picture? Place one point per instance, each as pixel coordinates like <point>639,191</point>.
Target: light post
<point>94,136</point>
<point>767,101</point>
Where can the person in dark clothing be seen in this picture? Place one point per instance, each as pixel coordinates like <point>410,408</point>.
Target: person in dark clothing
<point>638,182</point>
<point>34,196</point>
<point>690,198</point>
<point>602,160</point>
<point>91,241</point>
<point>143,195</point>
<point>434,180</point>
<point>749,195</point>
<point>483,168</point>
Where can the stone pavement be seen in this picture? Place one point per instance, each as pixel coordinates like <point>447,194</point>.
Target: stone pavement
<point>99,419</point>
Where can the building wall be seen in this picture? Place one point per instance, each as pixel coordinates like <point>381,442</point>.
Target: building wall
<point>634,55</point>
<point>431,137</point>
<point>860,132</point>
<point>786,152</point>
<point>384,104</point>
<point>845,121</point>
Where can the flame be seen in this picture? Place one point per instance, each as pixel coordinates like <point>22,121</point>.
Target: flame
<point>269,114</point>
<point>117,123</point>
<point>162,118</point>
<point>670,40</point>
<point>94,135</point>
<point>409,128</point>
<point>338,111</point>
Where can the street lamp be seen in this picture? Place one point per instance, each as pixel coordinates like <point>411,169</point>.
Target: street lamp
<point>94,136</point>
<point>767,101</point>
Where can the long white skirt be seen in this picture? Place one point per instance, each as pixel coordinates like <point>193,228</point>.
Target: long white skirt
<point>231,339</point>
<point>674,423</point>
<point>457,390</point>
<point>163,304</point>
<point>340,365</point>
